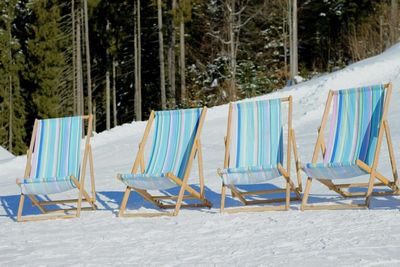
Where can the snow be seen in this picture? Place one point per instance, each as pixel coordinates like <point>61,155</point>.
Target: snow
<point>205,237</point>
<point>5,154</point>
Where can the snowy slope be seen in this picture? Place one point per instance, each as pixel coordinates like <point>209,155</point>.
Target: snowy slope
<point>5,155</point>
<point>204,237</point>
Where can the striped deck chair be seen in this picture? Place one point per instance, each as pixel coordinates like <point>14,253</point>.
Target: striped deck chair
<point>254,153</point>
<point>54,166</point>
<point>356,128</point>
<point>175,143</point>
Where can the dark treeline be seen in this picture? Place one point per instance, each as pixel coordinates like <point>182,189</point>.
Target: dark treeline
<point>213,51</point>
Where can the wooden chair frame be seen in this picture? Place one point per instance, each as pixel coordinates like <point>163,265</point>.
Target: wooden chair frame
<point>83,196</point>
<point>371,170</point>
<point>290,187</point>
<point>182,183</point>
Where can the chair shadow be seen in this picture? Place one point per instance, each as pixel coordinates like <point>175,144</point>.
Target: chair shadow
<point>10,205</point>
<point>109,199</point>
<point>389,202</point>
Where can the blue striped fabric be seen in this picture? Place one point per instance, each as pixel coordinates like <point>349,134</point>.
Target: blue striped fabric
<point>56,156</point>
<point>256,142</point>
<point>353,133</point>
<point>173,139</point>
<point>148,181</point>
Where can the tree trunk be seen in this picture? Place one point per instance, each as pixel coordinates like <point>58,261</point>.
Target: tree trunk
<point>137,46</point>
<point>381,42</point>
<point>182,56</point>
<point>139,71</point>
<point>161,55</point>
<point>108,119</point>
<point>232,44</point>
<point>290,22</point>
<point>88,63</point>
<point>295,52</point>
<point>285,46</point>
<point>11,108</point>
<point>114,88</point>
<point>79,65</point>
<point>74,88</point>
<point>394,24</point>
<point>94,115</point>
<point>171,55</point>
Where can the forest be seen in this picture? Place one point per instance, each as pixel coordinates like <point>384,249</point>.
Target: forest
<point>119,59</point>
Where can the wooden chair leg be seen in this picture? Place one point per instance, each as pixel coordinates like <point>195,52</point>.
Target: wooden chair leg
<point>124,202</point>
<point>20,207</point>
<point>223,191</point>
<point>200,166</point>
<point>93,185</point>
<point>288,186</point>
<point>180,199</point>
<point>84,194</point>
<point>79,204</point>
<point>370,188</point>
<point>306,192</point>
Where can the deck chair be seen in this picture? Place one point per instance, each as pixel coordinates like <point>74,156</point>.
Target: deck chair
<point>254,153</point>
<point>175,144</point>
<point>54,166</point>
<point>357,126</point>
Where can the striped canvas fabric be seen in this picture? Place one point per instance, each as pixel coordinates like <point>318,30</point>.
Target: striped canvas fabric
<point>256,142</point>
<point>353,133</point>
<point>56,156</point>
<point>173,139</point>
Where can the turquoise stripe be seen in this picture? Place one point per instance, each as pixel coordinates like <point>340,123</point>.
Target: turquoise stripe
<point>264,148</point>
<point>57,149</point>
<point>356,124</point>
<point>172,141</point>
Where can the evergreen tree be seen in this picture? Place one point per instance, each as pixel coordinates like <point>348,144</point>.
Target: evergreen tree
<point>46,62</point>
<point>12,119</point>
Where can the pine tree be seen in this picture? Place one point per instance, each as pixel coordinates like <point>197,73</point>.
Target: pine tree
<point>46,62</point>
<point>12,119</point>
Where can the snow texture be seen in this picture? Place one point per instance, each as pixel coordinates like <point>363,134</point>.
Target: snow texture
<point>5,154</point>
<point>205,237</point>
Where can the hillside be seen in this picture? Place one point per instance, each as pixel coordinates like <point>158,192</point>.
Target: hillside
<point>293,238</point>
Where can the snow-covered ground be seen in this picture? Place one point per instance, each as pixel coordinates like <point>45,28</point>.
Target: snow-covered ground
<point>205,237</point>
<point>5,155</point>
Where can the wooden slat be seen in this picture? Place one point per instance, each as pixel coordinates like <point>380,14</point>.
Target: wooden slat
<point>20,207</point>
<point>143,143</point>
<point>124,201</point>
<point>334,207</point>
<point>64,201</point>
<point>30,150</point>
<point>195,205</point>
<point>263,192</point>
<point>200,168</point>
<point>255,209</point>
<point>357,185</point>
<point>46,217</point>
<point>296,160</point>
<point>92,181</point>
<point>223,191</point>
<point>322,127</point>
<point>378,146</point>
<point>83,192</point>
<point>391,152</point>
<point>228,137</point>
<point>174,197</point>
<point>269,201</point>
<point>147,214</point>
<point>66,211</point>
